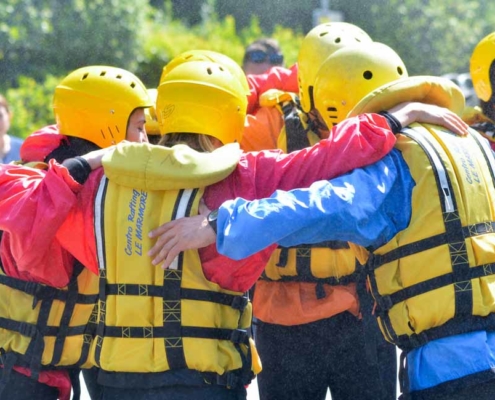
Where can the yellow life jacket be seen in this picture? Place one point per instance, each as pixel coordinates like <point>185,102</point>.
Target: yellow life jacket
<point>151,321</point>
<point>297,132</point>
<point>453,231</point>
<point>42,327</point>
<point>436,277</point>
<point>321,263</point>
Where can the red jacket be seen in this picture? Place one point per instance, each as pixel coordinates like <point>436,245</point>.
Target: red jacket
<point>48,212</point>
<point>276,78</point>
<point>36,148</point>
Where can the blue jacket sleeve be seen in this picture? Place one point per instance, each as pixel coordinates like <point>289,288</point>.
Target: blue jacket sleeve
<point>367,206</point>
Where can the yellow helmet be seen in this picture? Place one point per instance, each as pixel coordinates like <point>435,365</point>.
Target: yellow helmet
<point>482,67</point>
<point>351,73</point>
<point>318,44</point>
<point>95,103</point>
<point>152,127</point>
<point>212,56</point>
<point>204,98</point>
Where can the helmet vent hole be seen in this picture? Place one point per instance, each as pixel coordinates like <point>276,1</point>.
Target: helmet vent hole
<point>119,76</point>
<point>367,75</point>
<point>332,109</point>
<point>337,40</point>
<point>133,85</point>
<point>220,68</point>
<point>85,76</point>
<point>323,34</point>
<point>209,71</point>
<point>103,73</point>
<point>399,70</point>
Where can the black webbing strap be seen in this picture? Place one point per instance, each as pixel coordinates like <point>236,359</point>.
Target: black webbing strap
<point>41,292</point>
<point>385,303</point>
<point>303,266</point>
<point>102,281</point>
<point>236,302</point>
<point>236,336</point>
<point>455,326</point>
<point>172,308</point>
<point>430,243</point>
<point>88,335</point>
<point>70,304</point>
<point>37,344</point>
<point>295,133</point>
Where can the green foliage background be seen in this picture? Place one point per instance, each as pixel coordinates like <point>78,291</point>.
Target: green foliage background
<point>42,40</point>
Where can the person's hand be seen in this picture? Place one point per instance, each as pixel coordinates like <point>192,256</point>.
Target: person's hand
<point>180,235</point>
<point>94,158</point>
<point>408,113</point>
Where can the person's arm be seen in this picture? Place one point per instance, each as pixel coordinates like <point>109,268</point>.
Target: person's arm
<point>34,204</point>
<point>276,78</point>
<point>367,207</point>
<point>353,143</point>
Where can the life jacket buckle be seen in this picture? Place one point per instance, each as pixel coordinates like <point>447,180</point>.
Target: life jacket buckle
<point>240,303</point>
<point>28,330</point>
<point>239,336</point>
<point>418,339</point>
<point>228,379</point>
<point>385,303</point>
<point>39,292</point>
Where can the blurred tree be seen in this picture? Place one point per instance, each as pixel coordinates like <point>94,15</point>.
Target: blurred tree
<point>31,104</point>
<point>51,36</point>
<point>432,37</point>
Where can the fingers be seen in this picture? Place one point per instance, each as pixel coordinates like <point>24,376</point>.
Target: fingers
<point>171,256</point>
<point>165,249</point>
<point>162,229</point>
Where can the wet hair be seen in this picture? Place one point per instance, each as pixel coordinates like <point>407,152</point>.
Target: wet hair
<point>201,143</point>
<point>71,148</point>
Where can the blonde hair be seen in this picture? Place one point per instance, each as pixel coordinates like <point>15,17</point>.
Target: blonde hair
<point>198,142</point>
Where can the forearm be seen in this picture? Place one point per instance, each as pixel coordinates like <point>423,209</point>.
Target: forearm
<point>354,143</point>
<point>359,207</point>
<point>33,205</point>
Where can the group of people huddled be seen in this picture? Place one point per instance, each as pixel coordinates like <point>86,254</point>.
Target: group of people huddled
<point>352,197</point>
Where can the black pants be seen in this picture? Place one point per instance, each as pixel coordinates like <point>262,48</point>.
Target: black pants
<point>211,392</point>
<point>303,361</point>
<point>175,392</point>
<point>21,387</point>
<point>482,391</point>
